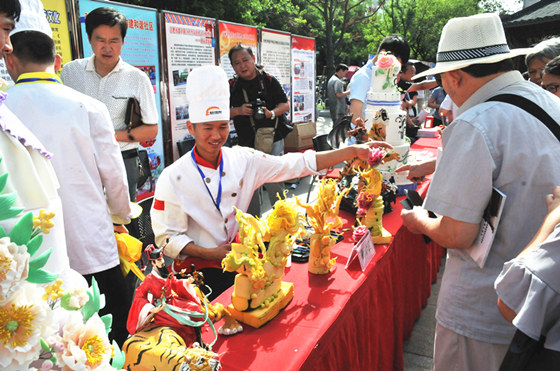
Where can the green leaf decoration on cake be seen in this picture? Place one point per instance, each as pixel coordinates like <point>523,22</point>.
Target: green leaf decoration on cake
<point>95,301</point>
<point>7,200</point>
<point>381,71</point>
<point>41,276</point>
<point>119,358</point>
<point>39,261</point>
<point>3,232</point>
<point>385,86</point>
<point>21,233</point>
<point>6,209</point>
<point>34,244</point>
<point>108,321</point>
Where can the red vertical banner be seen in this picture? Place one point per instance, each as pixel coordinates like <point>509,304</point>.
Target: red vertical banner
<point>231,34</point>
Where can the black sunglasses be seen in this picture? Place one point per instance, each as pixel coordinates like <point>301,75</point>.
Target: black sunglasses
<point>553,88</point>
<point>437,77</point>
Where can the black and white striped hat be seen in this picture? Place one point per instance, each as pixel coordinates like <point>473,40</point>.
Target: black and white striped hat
<point>472,40</point>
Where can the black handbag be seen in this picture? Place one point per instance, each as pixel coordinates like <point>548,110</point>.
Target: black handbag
<point>527,354</point>
<point>133,116</point>
<point>284,126</point>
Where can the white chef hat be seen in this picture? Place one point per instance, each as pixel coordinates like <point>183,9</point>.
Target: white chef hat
<point>208,94</point>
<point>32,18</point>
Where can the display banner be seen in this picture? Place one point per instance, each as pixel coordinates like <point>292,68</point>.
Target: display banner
<point>275,56</point>
<point>57,16</point>
<point>231,34</point>
<point>303,79</point>
<point>140,49</point>
<point>55,12</point>
<point>190,43</point>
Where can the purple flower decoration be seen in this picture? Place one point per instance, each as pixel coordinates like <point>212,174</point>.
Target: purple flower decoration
<point>375,157</point>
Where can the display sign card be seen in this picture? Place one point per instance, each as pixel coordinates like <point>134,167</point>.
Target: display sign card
<point>364,249</point>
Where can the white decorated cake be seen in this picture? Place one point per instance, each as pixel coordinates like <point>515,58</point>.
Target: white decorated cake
<point>385,120</point>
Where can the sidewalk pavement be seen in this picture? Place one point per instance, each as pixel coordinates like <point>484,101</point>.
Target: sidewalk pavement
<point>418,350</point>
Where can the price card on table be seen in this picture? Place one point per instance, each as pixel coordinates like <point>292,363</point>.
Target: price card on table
<point>364,250</point>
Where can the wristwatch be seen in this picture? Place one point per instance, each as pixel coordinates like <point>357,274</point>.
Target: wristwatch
<point>272,114</point>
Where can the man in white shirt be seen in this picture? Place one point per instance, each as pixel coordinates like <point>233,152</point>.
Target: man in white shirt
<point>489,145</point>
<point>107,78</point>
<point>193,210</point>
<point>86,159</point>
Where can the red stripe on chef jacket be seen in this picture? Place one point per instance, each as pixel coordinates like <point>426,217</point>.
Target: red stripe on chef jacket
<point>159,204</point>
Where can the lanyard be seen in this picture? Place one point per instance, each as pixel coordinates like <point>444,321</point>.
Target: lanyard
<point>219,198</point>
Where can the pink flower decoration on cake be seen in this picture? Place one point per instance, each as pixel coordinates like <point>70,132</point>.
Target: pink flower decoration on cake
<point>364,201</point>
<point>375,157</point>
<point>385,61</point>
<point>359,232</point>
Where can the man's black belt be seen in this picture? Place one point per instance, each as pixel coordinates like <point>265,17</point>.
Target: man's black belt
<point>130,153</point>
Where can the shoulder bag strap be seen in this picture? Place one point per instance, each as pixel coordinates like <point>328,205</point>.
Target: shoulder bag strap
<point>530,107</point>
<point>247,101</point>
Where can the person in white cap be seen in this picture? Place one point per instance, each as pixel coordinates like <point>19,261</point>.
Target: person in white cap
<point>77,129</point>
<point>195,196</point>
<point>490,144</point>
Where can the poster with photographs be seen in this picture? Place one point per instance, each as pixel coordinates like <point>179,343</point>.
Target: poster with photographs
<point>231,34</point>
<point>275,56</point>
<point>303,79</point>
<point>190,43</point>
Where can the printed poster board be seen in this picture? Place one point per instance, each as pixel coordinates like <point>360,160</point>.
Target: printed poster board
<point>275,56</point>
<point>303,79</point>
<point>140,49</point>
<point>231,34</point>
<point>190,43</point>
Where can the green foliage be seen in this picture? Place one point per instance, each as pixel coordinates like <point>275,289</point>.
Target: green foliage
<point>420,22</point>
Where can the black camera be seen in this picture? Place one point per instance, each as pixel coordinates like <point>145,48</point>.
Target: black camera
<point>258,109</point>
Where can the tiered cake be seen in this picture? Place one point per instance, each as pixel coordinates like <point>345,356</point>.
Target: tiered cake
<point>385,120</point>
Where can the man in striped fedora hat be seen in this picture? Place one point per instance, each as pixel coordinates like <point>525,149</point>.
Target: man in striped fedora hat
<point>491,144</point>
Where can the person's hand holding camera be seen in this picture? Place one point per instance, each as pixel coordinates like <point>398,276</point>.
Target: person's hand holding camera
<point>244,110</point>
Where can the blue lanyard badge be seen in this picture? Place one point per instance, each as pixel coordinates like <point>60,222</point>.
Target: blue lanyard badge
<point>219,198</point>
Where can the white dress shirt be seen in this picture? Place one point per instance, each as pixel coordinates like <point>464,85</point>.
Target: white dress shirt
<point>77,130</point>
<point>114,89</point>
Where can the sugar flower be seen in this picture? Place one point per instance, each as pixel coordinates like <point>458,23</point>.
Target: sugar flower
<point>43,221</point>
<point>74,299</point>
<point>359,232</point>
<point>86,345</point>
<point>385,60</point>
<point>24,319</point>
<point>375,157</point>
<point>14,267</point>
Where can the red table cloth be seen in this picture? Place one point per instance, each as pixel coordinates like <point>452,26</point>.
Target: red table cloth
<point>349,319</point>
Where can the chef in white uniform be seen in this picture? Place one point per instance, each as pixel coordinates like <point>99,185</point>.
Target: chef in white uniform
<point>193,209</point>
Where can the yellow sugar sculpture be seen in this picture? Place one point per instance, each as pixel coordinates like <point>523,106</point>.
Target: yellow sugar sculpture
<point>258,286</point>
<point>324,209</point>
<point>369,192</point>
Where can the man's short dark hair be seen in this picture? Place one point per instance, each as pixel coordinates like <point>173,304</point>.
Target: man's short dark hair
<point>341,66</point>
<point>11,8</point>
<point>406,65</point>
<point>487,69</point>
<point>33,46</point>
<point>238,48</point>
<point>397,46</point>
<point>105,16</point>
<point>553,67</point>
